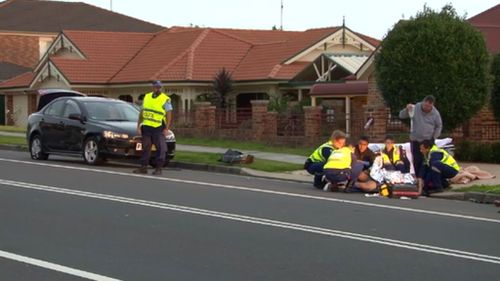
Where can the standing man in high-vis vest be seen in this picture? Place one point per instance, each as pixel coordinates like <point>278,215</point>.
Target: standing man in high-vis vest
<point>154,124</point>
<point>438,167</point>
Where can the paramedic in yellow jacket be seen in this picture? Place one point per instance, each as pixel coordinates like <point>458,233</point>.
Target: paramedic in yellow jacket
<point>438,167</point>
<point>153,125</point>
<point>342,167</point>
<point>394,157</point>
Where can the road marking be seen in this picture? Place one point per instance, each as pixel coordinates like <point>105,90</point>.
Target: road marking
<point>55,267</point>
<point>262,221</point>
<point>251,189</point>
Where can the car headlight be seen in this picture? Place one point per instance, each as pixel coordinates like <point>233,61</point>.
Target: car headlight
<point>114,135</point>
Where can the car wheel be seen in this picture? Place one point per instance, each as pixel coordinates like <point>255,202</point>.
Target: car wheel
<point>36,149</point>
<point>91,153</point>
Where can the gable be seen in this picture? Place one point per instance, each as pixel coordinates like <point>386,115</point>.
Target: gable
<point>341,41</point>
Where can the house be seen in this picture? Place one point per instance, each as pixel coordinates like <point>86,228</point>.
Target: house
<point>263,63</point>
<point>482,127</point>
<point>28,28</point>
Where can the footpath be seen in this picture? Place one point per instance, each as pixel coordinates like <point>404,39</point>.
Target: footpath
<point>303,176</point>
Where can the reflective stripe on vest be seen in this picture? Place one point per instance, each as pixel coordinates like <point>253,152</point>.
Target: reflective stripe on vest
<point>339,159</point>
<point>317,155</point>
<point>395,156</point>
<point>153,110</point>
<point>447,158</point>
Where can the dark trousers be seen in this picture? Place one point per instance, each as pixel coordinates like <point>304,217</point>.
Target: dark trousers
<point>152,136</point>
<point>436,176</point>
<point>418,157</point>
<point>335,175</point>
<point>316,169</point>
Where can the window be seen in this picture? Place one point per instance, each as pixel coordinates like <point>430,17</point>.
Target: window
<point>71,108</point>
<point>111,111</point>
<point>55,109</point>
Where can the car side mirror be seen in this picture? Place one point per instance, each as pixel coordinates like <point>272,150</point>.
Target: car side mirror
<point>78,117</point>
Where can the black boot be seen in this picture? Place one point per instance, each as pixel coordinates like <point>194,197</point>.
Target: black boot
<point>141,170</point>
<point>157,172</point>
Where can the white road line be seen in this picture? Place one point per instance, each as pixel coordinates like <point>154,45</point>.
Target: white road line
<point>262,221</point>
<point>55,267</point>
<point>251,189</point>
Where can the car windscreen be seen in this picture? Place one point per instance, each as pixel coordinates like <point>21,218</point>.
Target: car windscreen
<point>111,111</point>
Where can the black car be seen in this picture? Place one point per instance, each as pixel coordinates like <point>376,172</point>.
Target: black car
<point>70,123</point>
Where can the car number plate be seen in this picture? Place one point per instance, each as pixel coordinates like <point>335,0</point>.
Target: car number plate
<point>138,147</point>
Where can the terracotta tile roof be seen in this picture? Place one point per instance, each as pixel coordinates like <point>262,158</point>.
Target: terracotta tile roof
<point>488,23</point>
<point>106,53</point>
<point>347,88</point>
<point>488,17</point>
<point>54,16</point>
<point>186,54</point>
<point>9,70</point>
<point>20,81</point>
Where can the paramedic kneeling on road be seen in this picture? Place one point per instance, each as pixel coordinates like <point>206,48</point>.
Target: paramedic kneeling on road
<point>339,164</point>
<point>314,164</point>
<point>154,124</point>
<point>438,167</point>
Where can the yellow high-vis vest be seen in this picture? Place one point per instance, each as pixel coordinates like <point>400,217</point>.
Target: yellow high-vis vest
<point>153,111</point>
<point>447,158</point>
<point>317,155</point>
<point>340,159</point>
<point>395,156</point>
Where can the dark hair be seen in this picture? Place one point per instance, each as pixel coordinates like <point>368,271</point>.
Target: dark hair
<point>389,137</point>
<point>430,99</point>
<point>427,144</point>
<point>364,138</point>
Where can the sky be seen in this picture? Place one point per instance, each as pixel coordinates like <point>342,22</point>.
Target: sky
<point>370,17</point>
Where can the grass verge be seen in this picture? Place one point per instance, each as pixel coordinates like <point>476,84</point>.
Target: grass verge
<point>12,140</point>
<point>244,145</point>
<point>200,158</point>
<point>258,164</point>
<point>12,129</point>
<point>495,189</point>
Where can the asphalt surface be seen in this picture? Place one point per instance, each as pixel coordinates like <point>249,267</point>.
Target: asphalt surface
<point>63,220</point>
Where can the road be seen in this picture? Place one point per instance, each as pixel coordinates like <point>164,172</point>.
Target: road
<point>63,220</point>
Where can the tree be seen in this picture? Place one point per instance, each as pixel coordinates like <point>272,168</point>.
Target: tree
<point>495,92</point>
<point>436,53</point>
<point>222,86</point>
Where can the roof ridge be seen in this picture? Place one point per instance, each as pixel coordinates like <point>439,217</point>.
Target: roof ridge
<point>191,50</point>
<point>175,60</point>
<point>274,71</point>
<point>233,36</point>
<point>483,12</point>
<point>132,58</point>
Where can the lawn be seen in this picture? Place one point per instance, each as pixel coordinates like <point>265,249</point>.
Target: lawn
<point>12,129</point>
<point>258,164</point>
<point>247,145</point>
<point>12,140</point>
<point>495,189</point>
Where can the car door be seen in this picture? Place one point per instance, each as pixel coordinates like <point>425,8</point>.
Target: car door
<point>50,125</point>
<point>74,130</point>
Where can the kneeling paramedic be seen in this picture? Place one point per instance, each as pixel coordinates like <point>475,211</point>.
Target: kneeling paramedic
<point>394,157</point>
<point>314,164</point>
<point>438,167</point>
<point>341,166</point>
<point>154,124</point>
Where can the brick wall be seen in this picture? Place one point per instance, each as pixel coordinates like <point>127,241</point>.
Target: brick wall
<point>18,49</point>
<point>376,108</point>
<point>312,116</point>
<point>482,127</point>
<point>10,109</point>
